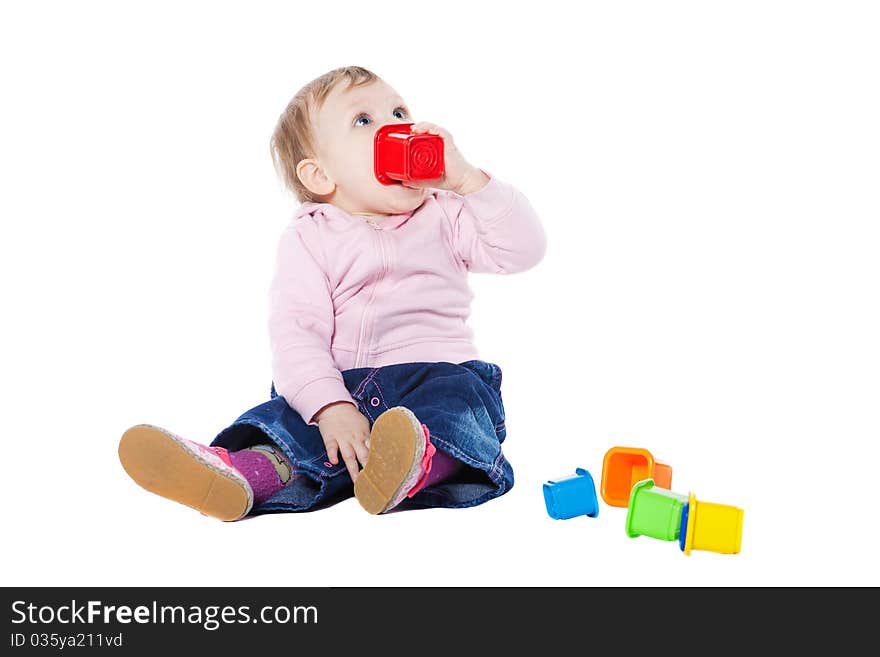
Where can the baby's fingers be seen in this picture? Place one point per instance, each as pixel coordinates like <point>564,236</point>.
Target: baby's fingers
<point>332,452</point>
<point>362,452</point>
<point>350,458</point>
<point>429,128</point>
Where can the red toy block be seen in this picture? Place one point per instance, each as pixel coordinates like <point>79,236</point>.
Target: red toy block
<point>401,155</point>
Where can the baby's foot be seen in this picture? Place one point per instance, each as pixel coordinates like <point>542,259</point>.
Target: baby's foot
<point>398,462</point>
<point>185,471</point>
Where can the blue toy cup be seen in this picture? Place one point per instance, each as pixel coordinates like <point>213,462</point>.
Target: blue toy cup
<point>572,496</point>
<point>682,532</point>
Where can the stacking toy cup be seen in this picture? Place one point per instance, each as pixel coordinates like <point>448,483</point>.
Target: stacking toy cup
<point>622,467</point>
<point>654,512</point>
<point>572,496</point>
<point>710,526</point>
<point>400,155</point>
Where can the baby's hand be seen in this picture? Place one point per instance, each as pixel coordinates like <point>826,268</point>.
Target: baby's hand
<point>345,431</point>
<point>459,176</point>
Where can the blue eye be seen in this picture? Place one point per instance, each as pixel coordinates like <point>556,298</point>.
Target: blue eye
<point>399,110</point>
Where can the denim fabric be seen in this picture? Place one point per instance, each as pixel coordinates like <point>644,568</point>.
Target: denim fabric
<point>460,404</point>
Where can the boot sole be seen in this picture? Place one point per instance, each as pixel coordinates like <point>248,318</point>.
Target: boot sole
<point>396,449</point>
<point>161,463</point>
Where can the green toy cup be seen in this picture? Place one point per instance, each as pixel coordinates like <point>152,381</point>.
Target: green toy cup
<point>654,512</point>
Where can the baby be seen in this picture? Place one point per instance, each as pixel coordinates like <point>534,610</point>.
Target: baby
<point>377,389</point>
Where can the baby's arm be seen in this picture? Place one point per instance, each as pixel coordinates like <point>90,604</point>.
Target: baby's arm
<point>494,229</point>
<point>301,324</point>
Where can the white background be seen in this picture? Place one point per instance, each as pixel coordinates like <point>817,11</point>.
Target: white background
<point>707,174</point>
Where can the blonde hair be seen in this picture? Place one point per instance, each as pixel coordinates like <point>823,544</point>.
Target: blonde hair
<point>291,141</point>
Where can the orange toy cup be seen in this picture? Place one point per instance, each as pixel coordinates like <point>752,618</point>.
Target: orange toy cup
<point>662,475</point>
<point>623,467</point>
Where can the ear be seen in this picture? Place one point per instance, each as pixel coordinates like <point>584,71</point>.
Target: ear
<point>313,176</point>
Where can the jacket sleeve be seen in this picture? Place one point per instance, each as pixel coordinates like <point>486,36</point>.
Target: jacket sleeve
<point>495,229</point>
<point>301,324</point>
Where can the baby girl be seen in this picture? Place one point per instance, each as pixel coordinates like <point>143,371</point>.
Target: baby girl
<point>377,389</point>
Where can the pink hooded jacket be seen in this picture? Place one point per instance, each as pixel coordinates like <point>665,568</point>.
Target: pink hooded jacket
<point>347,292</point>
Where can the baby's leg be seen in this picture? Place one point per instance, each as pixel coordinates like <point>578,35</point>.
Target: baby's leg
<point>265,467</point>
<point>401,462</point>
<point>217,483</point>
<point>443,467</point>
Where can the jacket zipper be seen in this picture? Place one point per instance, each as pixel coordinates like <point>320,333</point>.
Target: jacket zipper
<point>361,356</point>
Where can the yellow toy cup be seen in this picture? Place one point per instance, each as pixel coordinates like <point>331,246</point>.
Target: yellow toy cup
<point>711,527</point>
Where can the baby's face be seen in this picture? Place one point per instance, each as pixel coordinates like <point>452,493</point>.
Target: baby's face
<point>344,130</point>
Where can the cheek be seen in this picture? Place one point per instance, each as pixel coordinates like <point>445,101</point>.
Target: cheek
<point>357,162</point>
<point>346,151</point>
<point>359,179</point>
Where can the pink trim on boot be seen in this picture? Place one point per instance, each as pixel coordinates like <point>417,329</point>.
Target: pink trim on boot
<point>425,465</point>
<point>222,452</point>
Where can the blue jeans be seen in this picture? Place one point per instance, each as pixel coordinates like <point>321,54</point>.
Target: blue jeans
<point>460,404</point>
